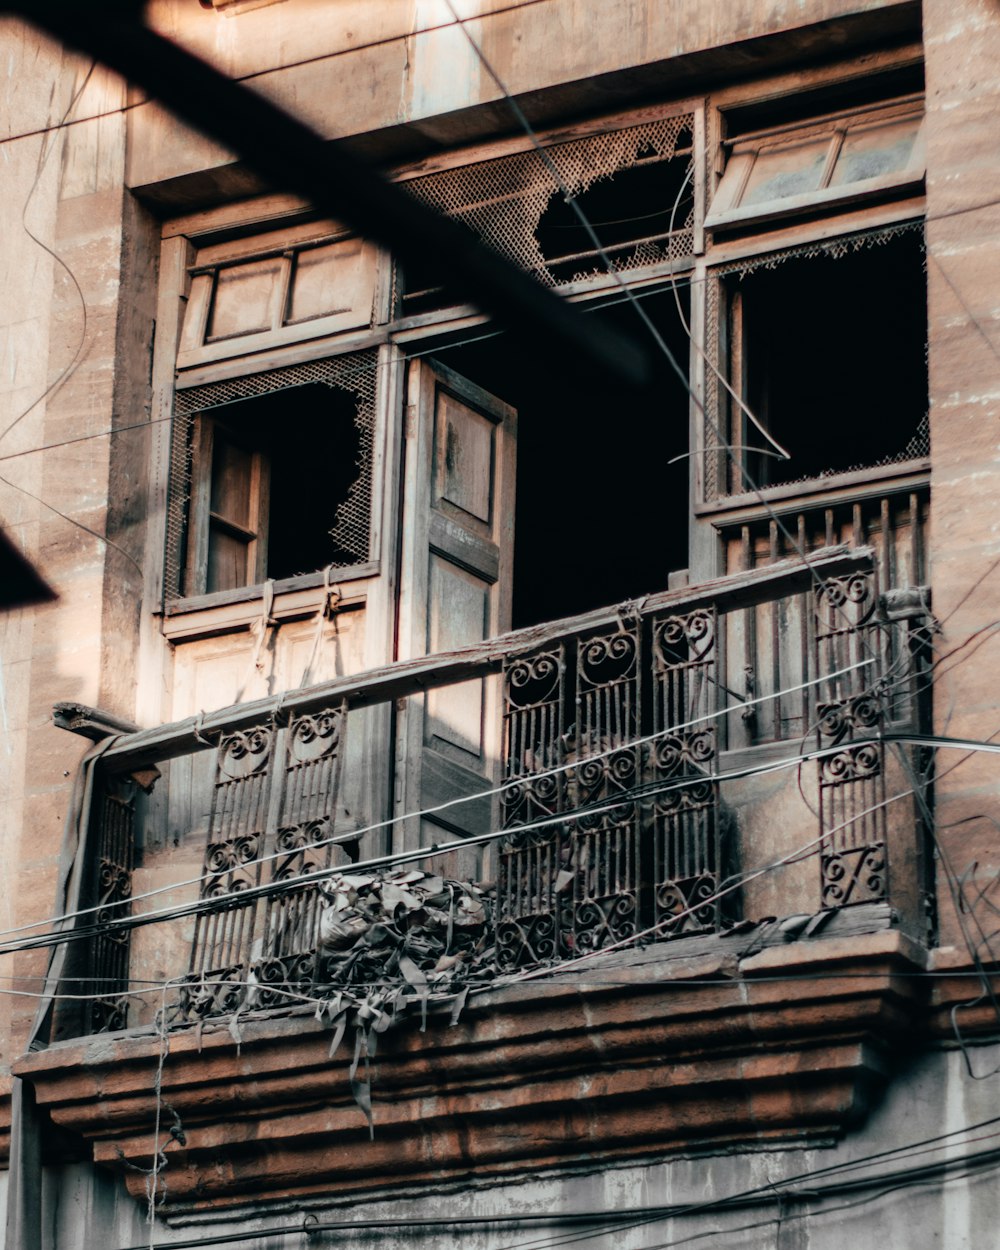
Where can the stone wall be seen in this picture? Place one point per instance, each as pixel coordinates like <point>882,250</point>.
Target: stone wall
<point>962,43</point>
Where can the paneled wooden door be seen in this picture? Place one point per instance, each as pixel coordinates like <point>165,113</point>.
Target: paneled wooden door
<point>455,588</point>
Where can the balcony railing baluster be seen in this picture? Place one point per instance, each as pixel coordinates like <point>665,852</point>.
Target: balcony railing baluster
<point>609,808</point>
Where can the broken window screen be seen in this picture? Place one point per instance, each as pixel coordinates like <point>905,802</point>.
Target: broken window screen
<point>634,185</point>
<point>796,167</point>
<point>828,350</point>
<point>271,476</point>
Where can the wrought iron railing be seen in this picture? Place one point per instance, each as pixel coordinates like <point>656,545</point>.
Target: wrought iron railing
<point>608,818</point>
<point>602,729</point>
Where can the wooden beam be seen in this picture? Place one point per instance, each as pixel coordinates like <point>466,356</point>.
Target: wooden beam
<point>397,681</point>
<point>89,722</point>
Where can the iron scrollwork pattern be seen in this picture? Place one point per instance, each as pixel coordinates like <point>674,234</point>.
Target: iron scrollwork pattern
<point>685,827</point>
<point>236,842</point>
<point>532,873</point>
<point>313,758</point>
<point>608,732</point>
<point>850,711</point>
<point>109,952</point>
<point>605,860</point>
<point>257,837</point>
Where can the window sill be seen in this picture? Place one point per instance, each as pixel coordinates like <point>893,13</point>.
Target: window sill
<point>819,490</point>
<point>294,597</point>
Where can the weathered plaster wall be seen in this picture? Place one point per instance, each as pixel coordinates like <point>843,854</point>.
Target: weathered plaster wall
<point>60,246</point>
<point>962,42</point>
<point>935,1097</point>
<point>356,68</point>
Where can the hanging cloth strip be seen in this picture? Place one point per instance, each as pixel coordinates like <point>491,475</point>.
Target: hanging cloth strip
<point>327,607</point>
<point>258,631</point>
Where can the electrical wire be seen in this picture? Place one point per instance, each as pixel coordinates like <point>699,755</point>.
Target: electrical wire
<point>269,889</point>
<point>583,220</point>
<point>664,348</point>
<point>436,809</point>
<point>301,63</point>
<point>73,521</point>
<point>710,423</point>
<point>587,225</point>
<point>43,157</point>
<point>74,362</point>
<point>778,449</point>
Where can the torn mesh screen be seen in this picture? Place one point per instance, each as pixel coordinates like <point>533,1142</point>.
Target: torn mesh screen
<point>721,476</point>
<point>353,373</point>
<point>504,199</point>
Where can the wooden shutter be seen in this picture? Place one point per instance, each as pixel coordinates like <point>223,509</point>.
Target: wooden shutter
<point>455,588</point>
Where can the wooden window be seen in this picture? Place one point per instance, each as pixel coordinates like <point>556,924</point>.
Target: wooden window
<point>829,353</point>
<point>825,162</point>
<point>271,476</point>
<point>229,510</point>
<point>274,290</point>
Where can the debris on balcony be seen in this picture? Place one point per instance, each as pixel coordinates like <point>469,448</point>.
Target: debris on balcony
<point>386,940</point>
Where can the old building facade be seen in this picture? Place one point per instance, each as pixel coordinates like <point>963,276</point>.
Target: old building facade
<point>477,795</point>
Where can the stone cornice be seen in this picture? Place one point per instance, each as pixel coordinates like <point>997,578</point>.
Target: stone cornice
<point>632,1062</point>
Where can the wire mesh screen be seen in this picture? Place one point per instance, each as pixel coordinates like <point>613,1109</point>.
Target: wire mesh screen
<point>355,374</point>
<point>503,200</point>
<point>729,465</point>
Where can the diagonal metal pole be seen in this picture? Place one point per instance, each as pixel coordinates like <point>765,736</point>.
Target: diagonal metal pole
<point>291,156</point>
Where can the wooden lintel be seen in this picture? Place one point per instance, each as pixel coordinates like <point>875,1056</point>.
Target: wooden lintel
<point>396,681</point>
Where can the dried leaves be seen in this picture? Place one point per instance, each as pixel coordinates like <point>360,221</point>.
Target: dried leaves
<point>391,940</point>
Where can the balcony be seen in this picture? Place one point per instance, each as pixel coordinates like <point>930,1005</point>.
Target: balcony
<point>652,881</point>
<point>619,812</point>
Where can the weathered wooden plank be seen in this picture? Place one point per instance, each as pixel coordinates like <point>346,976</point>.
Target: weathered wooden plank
<point>394,681</point>
<point>89,722</point>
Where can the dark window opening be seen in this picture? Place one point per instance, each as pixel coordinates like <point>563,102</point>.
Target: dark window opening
<point>642,215</point>
<point>628,182</point>
<point>830,355</point>
<point>275,471</point>
<point>601,515</point>
<point>635,214</point>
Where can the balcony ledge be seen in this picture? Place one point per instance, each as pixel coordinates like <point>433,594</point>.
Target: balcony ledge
<point>626,1061</point>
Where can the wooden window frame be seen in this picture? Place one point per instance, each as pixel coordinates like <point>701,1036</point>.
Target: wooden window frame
<point>203,522</point>
<point>727,211</point>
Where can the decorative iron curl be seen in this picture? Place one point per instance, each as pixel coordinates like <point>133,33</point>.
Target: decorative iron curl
<point>851,764</point>
<point>232,855</point>
<point>245,752</point>
<point>293,838</point>
<point>529,939</point>
<point>315,736</point>
<point>532,679</point>
<point>863,882</point>
<point>682,640</point>
<point>684,753</point>
<point>844,604</point>
<point>687,905</point>
<point>607,658</point>
<point>862,713</point>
